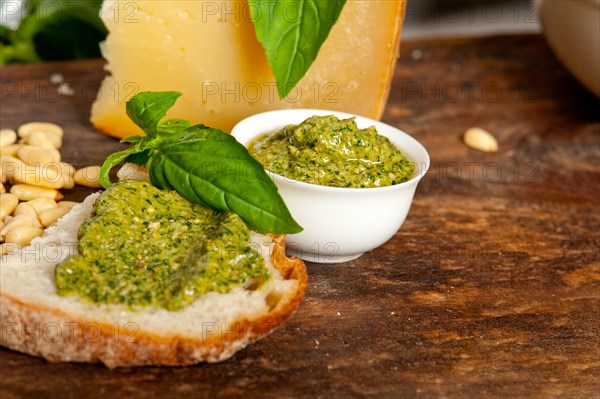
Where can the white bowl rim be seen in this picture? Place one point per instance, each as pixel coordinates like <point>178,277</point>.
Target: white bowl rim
<point>318,187</point>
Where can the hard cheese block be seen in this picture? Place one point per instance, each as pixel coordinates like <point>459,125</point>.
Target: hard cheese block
<point>209,52</point>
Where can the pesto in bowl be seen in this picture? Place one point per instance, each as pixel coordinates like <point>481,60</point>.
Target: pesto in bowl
<point>329,151</point>
<point>340,223</point>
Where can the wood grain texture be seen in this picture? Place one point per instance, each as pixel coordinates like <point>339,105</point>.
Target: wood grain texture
<point>491,289</point>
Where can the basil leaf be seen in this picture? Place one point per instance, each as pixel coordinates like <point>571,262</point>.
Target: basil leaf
<point>112,161</point>
<point>139,158</point>
<point>132,139</point>
<point>292,33</point>
<point>53,30</point>
<point>172,126</point>
<point>146,109</point>
<point>208,166</point>
<point>204,165</point>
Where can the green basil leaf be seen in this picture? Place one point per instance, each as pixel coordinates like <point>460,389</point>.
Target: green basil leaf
<point>54,30</point>
<point>292,33</point>
<point>146,109</point>
<point>204,165</point>
<point>51,11</point>
<point>173,126</point>
<point>112,161</point>
<point>132,139</point>
<point>208,166</point>
<point>139,158</point>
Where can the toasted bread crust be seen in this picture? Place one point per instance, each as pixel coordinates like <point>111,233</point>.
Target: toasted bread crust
<point>56,336</point>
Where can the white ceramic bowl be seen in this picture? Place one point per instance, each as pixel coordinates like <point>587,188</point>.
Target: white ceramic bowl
<point>340,224</point>
<point>572,29</point>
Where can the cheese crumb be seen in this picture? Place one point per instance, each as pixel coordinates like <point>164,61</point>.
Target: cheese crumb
<point>56,78</point>
<point>65,90</point>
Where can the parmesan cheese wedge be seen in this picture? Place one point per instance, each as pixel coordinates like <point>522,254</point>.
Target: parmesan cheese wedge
<point>208,51</point>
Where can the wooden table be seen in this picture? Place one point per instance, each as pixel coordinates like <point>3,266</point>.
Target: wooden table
<point>490,289</point>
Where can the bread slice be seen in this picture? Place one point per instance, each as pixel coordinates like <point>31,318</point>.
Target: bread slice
<point>36,320</point>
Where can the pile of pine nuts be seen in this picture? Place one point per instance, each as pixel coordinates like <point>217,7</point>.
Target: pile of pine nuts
<point>31,175</point>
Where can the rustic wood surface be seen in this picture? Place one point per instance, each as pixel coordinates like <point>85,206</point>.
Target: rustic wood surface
<point>489,290</point>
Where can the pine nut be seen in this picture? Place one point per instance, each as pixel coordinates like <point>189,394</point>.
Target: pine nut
<point>50,216</point>
<point>42,204</point>
<point>68,182</point>
<point>19,221</point>
<point>10,165</point>
<point>10,150</point>
<point>39,176</point>
<point>8,203</point>
<point>55,139</point>
<point>480,139</point>
<point>64,168</point>
<point>8,248</point>
<point>7,137</point>
<point>67,204</point>
<point>26,129</point>
<point>40,139</point>
<point>66,172</point>
<point>24,209</point>
<point>22,235</point>
<point>26,192</point>
<point>33,155</point>
<point>88,177</point>
<point>34,169</point>
<point>56,154</point>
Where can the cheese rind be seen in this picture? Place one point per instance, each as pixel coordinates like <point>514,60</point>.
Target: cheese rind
<point>209,52</point>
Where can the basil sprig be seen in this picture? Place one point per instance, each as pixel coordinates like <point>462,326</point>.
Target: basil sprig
<point>292,33</point>
<point>204,165</point>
